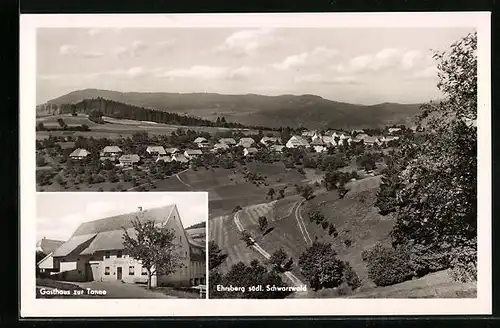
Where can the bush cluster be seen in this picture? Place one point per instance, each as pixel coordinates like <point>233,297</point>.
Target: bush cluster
<point>388,266</point>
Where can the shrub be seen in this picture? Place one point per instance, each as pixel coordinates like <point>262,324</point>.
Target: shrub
<point>320,266</point>
<point>316,216</point>
<point>332,229</point>
<point>278,258</point>
<point>324,224</point>
<point>347,243</point>
<point>426,259</point>
<point>344,289</point>
<point>350,277</point>
<point>387,266</point>
<point>463,261</point>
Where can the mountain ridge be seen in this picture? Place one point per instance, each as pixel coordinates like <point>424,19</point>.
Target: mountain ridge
<point>307,110</point>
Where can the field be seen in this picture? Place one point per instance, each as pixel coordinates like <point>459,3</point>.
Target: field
<point>115,128</point>
<point>355,218</point>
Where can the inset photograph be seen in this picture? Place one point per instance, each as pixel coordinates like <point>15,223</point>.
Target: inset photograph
<point>121,245</point>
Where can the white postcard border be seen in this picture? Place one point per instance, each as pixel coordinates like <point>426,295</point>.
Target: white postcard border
<point>32,307</point>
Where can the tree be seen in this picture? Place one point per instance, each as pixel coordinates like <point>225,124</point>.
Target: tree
<point>332,229</point>
<point>307,192</point>
<point>61,123</point>
<point>282,193</point>
<point>320,266</point>
<point>278,258</point>
<point>262,223</point>
<point>215,255</point>
<point>271,193</point>
<point>316,217</point>
<point>342,191</point>
<point>153,246</point>
<point>247,238</point>
<point>40,126</point>
<point>438,200</point>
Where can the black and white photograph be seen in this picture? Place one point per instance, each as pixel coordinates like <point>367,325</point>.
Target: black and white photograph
<point>343,156</point>
<point>115,245</point>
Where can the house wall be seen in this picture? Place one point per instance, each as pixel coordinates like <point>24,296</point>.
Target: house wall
<point>47,263</point>
<point>74,267</point>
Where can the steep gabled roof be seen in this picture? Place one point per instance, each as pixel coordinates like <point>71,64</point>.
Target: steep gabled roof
<point>171,150</point>
<point>228,141</point>
<point>112,149</point>
<point>193,152</point>
<point>132,157</point>
<point>200,139</point>
<point>47,246</point>
<point>79,153</point>
<point>156,149</point>
<point>106,234</point>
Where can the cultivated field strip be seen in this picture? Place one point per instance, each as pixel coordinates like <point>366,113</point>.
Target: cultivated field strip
<point>250,214</point>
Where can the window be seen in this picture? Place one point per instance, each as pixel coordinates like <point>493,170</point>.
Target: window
<point>119,254</point>
<point>131,270</point>
<point>106,271</point>
<point>107,255</point>
<point>144,272</point>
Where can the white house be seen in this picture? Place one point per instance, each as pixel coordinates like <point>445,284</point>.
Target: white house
<point>267,141</point>
<point>166,159</point>
<point>227,141</point>
<point>220,147</point>
<point>192,153</point>
<point>392,130</point>
<point>201,142</point>
<point>156,150</point>
<point>277,148</point>
<point>297,141</point>
<point>79,154</point>
<point>171,151</point>
<point>246,142</point>
<point>320,148</point>
<point>95,251</point>
<point>180,158</point>
<point>129,160</point>
<point>250,151</point>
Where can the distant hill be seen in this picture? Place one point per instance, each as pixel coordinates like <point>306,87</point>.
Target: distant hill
<point>197,225</point>
<point>309,111</point>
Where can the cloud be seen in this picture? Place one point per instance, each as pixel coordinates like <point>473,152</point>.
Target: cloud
<point>94,31</point>
<point>166,43</point>
<point>197,71</point>
<point>248,42</point>
<point>410,59</point>
<point>320,79</point>
<point>130,73</point>
<point>318,56</point>
<point>67,50</point>
<point>136,49</point>
<point>427,73</point>
<point>242,73</point>
<point>92,54</point>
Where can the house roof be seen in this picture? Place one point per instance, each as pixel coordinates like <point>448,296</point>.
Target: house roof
<point>47,246</point>
<point>130,157</point>
<point>247,140</point>
<point>327,139</point>
<point>156,149</point>
<point>171,150</point>
<point>221,146</point>
<point>106,234</point>
<point>269,139</point>
<point>79,153</point>
<point>298,140</point>
<point>112,149</point>
<point>308,133</point>
<point>229,141</point>
<point>166,159</point>
<point>369,139</point>
<point>180,158</point>
<point>252,150</point>
<point>193,152</point>
<point>277,147</point>
<point>200,139</point>
<point>318,141</point>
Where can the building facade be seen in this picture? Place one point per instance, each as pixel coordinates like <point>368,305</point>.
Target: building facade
<point>95,252</point>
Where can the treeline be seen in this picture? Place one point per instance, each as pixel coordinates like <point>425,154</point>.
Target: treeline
<point>120,110</point>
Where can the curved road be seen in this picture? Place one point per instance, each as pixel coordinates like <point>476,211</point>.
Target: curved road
<point>300,222</point>
<point>296,281</point>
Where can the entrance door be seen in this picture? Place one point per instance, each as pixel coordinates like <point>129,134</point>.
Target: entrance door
<point>119,273</point>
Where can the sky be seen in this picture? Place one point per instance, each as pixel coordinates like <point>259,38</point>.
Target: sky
<point>60,214</point>
<point>362,66</point>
